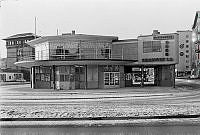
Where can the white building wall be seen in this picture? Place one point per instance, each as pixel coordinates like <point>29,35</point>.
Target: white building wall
<point>42,51</point>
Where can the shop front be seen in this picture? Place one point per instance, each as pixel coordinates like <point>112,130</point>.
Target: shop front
<point>140,76</point>
<point>66,77</point>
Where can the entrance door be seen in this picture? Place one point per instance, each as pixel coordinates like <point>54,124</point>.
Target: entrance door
<point>149,76</point>
<point>111,79</point>
<point>80,77</point>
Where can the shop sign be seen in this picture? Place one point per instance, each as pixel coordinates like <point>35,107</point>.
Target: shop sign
<point>111,68</point>
<point>157,59</point>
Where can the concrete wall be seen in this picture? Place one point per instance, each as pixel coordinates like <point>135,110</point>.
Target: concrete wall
<point>101,76</point>
<point>122,77</point>
<point>42,85</point>
<point>166,75</point>
<point>11,58</point>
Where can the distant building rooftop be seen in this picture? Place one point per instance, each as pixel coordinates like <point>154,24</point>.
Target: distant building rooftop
<point>22,35</point>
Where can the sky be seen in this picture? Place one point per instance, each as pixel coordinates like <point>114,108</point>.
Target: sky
<point>126,19</point>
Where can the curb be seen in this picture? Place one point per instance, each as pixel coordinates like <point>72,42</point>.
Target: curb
<point>99,123</point>
<point>179,116</point>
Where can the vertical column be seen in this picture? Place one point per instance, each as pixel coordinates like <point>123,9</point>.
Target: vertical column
<point>142,76</point>
<point>85,76</point>
<point>53,77</point>
<point>173,75</point>
<point>33,77</point>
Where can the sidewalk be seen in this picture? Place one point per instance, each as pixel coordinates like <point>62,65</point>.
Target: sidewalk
<point>13,83</point>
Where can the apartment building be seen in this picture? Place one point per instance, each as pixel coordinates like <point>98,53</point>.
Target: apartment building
<point>187,55</point>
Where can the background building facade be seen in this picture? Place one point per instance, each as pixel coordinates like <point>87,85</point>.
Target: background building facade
<point>18,49</point>
<point>196,39</point>
<point>187,55</point>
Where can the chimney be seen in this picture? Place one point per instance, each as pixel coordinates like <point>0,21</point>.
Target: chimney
<point>73,32</point>
<point>155,32</point>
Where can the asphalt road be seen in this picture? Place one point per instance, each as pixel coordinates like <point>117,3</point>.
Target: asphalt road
<point>186,92</point>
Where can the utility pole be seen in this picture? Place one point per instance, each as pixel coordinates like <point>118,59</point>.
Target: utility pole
<point>35,26</point>
<point>57,32</point>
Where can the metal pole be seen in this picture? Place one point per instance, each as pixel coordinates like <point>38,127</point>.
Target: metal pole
<point>122,53</point>
<point>85,76</point>
<point>35,26</point>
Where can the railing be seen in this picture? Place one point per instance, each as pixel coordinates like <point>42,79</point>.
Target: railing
<point>45,55</point>
<point>27,58</point>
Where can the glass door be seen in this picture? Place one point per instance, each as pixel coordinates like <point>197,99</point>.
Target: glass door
<point>111,79</point>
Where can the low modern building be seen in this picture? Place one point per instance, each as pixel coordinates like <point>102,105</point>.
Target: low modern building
<point>18,49</point>
<point>79,61</point>
<point>187,55</point>
<point>196,39</point>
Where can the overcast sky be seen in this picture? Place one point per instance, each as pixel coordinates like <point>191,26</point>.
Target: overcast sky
<point>122,18</point>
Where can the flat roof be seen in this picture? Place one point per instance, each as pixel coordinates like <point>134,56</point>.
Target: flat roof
<point>158,34</point>
<point>22,35</point>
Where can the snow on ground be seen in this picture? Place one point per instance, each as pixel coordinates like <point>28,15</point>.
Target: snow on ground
<point>96,110</point>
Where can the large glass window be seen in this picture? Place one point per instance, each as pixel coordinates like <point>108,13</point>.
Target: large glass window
<point>151,46</point>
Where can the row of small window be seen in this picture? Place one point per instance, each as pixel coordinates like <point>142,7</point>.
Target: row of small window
<point>167,49</point>
<point>16,42</point>
<point>163,37</point>
<point>182,46</point>
<point>182,53</point>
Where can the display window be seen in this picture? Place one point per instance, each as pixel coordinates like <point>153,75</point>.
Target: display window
<point>111,78</point>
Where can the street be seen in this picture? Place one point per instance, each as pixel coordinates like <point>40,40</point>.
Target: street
<point>20,101</point>
<point>186,92</point>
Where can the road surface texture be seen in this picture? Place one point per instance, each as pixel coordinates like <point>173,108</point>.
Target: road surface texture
<point>21,104</point>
